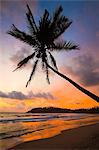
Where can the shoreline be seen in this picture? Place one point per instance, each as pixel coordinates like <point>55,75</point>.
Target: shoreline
<point>84,137</point>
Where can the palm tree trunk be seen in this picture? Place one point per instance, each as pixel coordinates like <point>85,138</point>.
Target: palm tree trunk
<point>93,96</point>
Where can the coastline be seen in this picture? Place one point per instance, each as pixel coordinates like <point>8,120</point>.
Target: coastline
<point>84,137</point>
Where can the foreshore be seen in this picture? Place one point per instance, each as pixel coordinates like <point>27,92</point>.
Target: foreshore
<point>85,138</point>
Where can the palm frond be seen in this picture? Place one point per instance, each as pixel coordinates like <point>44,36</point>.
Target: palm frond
<point>24,61</point>
<point>56,15</point>
<point>44,24</point>
<point>42,37</point>
<point>45,16</point>
<point>47,75</point>
<point>45,67</point>
<point>43,64</point>
<point>59,24</point>
<point>62,24</point>
<point>30,25</point>
<point>53,61</point>
<point>54,21</point>
<point>31,20</point>
<point>23,36</point>
<point>65,46</point>
<point>33,71</point>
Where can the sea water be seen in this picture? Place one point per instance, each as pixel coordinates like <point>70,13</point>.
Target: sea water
<point>16,128</point>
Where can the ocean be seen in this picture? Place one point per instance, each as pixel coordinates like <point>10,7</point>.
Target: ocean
<point>16,128</point>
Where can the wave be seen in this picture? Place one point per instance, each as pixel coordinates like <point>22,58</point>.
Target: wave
<point>40,117</point>
<point>18,133</point>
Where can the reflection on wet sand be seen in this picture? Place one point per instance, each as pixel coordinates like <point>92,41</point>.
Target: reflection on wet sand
<point>53,127</point>
<point>44,129</point>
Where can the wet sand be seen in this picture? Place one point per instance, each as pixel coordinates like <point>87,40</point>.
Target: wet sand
<point>86,137</point>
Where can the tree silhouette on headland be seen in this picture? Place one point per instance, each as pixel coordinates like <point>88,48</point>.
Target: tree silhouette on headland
<point>63,110</point>
<point>42,37</point>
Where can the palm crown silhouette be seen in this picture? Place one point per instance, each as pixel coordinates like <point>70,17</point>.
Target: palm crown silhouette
<point>42,37</point>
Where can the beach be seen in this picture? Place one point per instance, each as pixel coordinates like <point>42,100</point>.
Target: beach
<point>49,131</point>
<point>85,137</point>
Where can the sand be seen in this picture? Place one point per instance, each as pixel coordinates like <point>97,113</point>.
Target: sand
<point>82,138</point>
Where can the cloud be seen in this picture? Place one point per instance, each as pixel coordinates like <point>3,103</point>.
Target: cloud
<point>85,67</point>
<point>2,94</point>
<point>13,95</point>
<point>41,95</point>
<point>21,54</point>
<point>30,95</point>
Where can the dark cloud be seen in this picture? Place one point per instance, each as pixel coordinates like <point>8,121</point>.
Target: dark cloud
<point>2,94</point>
<point>85,67</point>
<point>30,95</point>
<point>17,95</point>
<point>41,95</point>
<point>13,95</point>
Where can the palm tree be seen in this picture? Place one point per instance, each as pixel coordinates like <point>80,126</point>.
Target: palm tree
<point>43,39</point>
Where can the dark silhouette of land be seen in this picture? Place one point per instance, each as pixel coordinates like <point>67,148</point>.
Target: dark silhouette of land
<point>61,110</point>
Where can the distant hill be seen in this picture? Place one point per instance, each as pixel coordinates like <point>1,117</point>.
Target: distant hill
<point>61,110</point>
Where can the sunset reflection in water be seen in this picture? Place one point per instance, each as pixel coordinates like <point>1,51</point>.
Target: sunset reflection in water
<point>20,132</point>
<point>51,128</point>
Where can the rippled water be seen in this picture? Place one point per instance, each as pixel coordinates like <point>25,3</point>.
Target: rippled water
<point>16,128</point>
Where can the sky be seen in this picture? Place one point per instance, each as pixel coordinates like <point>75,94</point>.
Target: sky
<point>82,66</point>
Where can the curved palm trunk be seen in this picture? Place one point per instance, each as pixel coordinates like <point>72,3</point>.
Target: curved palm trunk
<point>93,96</point>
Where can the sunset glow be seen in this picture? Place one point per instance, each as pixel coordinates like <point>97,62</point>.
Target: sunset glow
<point>80,65</point>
